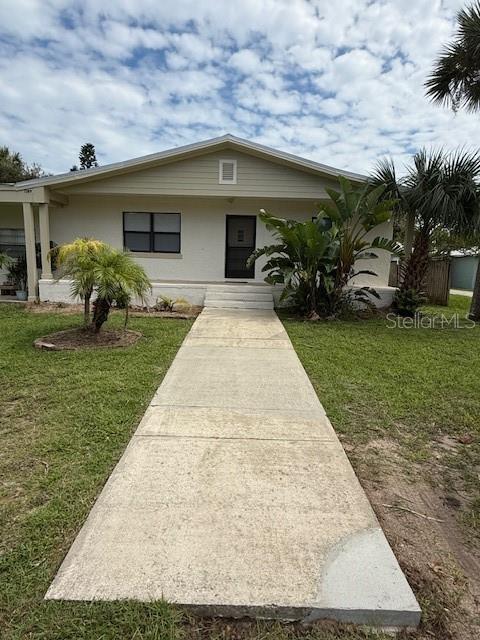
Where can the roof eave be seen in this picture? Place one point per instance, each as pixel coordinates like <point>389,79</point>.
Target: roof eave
<point>227,141</point>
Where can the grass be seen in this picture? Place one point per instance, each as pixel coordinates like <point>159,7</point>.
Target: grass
<point>406,404</point>
<point>65,418</point>
<point>410,385</point>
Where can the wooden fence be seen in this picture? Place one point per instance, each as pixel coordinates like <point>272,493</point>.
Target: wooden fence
<point>437,280</point>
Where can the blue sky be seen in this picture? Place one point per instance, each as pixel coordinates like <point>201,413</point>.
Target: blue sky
<point>339,82</point>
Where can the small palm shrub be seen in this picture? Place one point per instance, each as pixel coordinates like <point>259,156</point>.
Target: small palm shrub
<point>96,267</point>
<point>406,302</point>
<point>117,277</point>
<point>164,303</point>
<point>302,259</point>
<point>76,260</point>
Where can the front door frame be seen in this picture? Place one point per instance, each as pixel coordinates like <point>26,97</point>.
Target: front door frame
<point>232,216</point>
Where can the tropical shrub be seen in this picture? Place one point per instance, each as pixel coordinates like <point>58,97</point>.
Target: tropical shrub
<point>17,272</point>
<point>117,277</point>
<point>302,258</point>
<point>77,260</point>
<point>96,267</point>
<point>4,260</point>
<point>406,302</point>
<point>356,212</point>
<point>315,260</point>
<point>164,303</point>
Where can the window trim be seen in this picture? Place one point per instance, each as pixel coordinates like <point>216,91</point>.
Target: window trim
<point>153,233</point>
<point>221,162</point>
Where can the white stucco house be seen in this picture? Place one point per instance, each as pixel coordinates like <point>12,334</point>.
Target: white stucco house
<point>189,215</point>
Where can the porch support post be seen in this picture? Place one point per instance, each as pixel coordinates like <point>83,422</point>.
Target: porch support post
<point>29,226</point>
<point>44,226</point>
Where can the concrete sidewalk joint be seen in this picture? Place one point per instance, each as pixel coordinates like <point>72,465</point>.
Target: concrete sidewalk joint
<point>235,497</point>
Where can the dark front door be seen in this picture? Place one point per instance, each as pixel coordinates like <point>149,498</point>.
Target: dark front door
<point>240,245</point>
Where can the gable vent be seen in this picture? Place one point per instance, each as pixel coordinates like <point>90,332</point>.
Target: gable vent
<point>227,172</point>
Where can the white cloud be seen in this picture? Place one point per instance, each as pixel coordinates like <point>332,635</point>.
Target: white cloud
<point>339,82</point>
<point>246,61</point>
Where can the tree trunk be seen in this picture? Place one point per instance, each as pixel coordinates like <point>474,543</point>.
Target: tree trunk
<point>100,313</point>
<point>409,234</point>
<point>415,267</point>
<point>86,310</point>
<point>475,306</point>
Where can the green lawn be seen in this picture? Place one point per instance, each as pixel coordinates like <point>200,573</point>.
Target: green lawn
<point>411,385</point>
<point>406,404</point>
<point>65,418</point>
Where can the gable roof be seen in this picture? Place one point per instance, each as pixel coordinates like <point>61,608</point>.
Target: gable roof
<point>179,153</point>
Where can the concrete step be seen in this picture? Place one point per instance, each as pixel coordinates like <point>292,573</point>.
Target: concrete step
<point>214,303</point>
<point>239,295</point>
<point>241,288</point>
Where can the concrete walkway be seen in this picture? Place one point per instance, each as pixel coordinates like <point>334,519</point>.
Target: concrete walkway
<point>235,497</point>
<point>461,292</point>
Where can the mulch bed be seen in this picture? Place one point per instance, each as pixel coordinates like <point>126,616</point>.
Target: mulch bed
<point>80,338</point>
<point>63,308</point>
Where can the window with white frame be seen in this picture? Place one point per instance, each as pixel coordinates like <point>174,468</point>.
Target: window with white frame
<point>148,232</point>
<point>227,172</point>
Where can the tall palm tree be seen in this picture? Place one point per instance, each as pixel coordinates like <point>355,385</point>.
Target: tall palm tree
<point>440,190</point>
<point>455,82</point>
<point>455,79</point>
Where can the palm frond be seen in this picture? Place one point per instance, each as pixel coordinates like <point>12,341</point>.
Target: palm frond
<point>454,80</point>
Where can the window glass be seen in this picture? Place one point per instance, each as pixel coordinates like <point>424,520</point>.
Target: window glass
<point>137,222</point>
<point>12,242</point>
<point>12,236</point>
<point>158,232</point>
<point>168,242</point>
<point>166,222</point>
<point>137,241</point>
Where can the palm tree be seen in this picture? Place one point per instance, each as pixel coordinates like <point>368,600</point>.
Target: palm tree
<point>77,260</point>
<point>455,82</point>
<point>455,79</point>
<point>117,278</point>
<point>356,212</point>
<point>440,190</point>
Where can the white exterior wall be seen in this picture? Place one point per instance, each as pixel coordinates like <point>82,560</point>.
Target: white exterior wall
<point>203,230</point>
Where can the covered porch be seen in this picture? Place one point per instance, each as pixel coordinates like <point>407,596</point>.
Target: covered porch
<point>25,230</point>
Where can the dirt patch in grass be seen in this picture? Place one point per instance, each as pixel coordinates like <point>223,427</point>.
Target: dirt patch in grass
<point>80,338</point>
<point>420,520</point>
